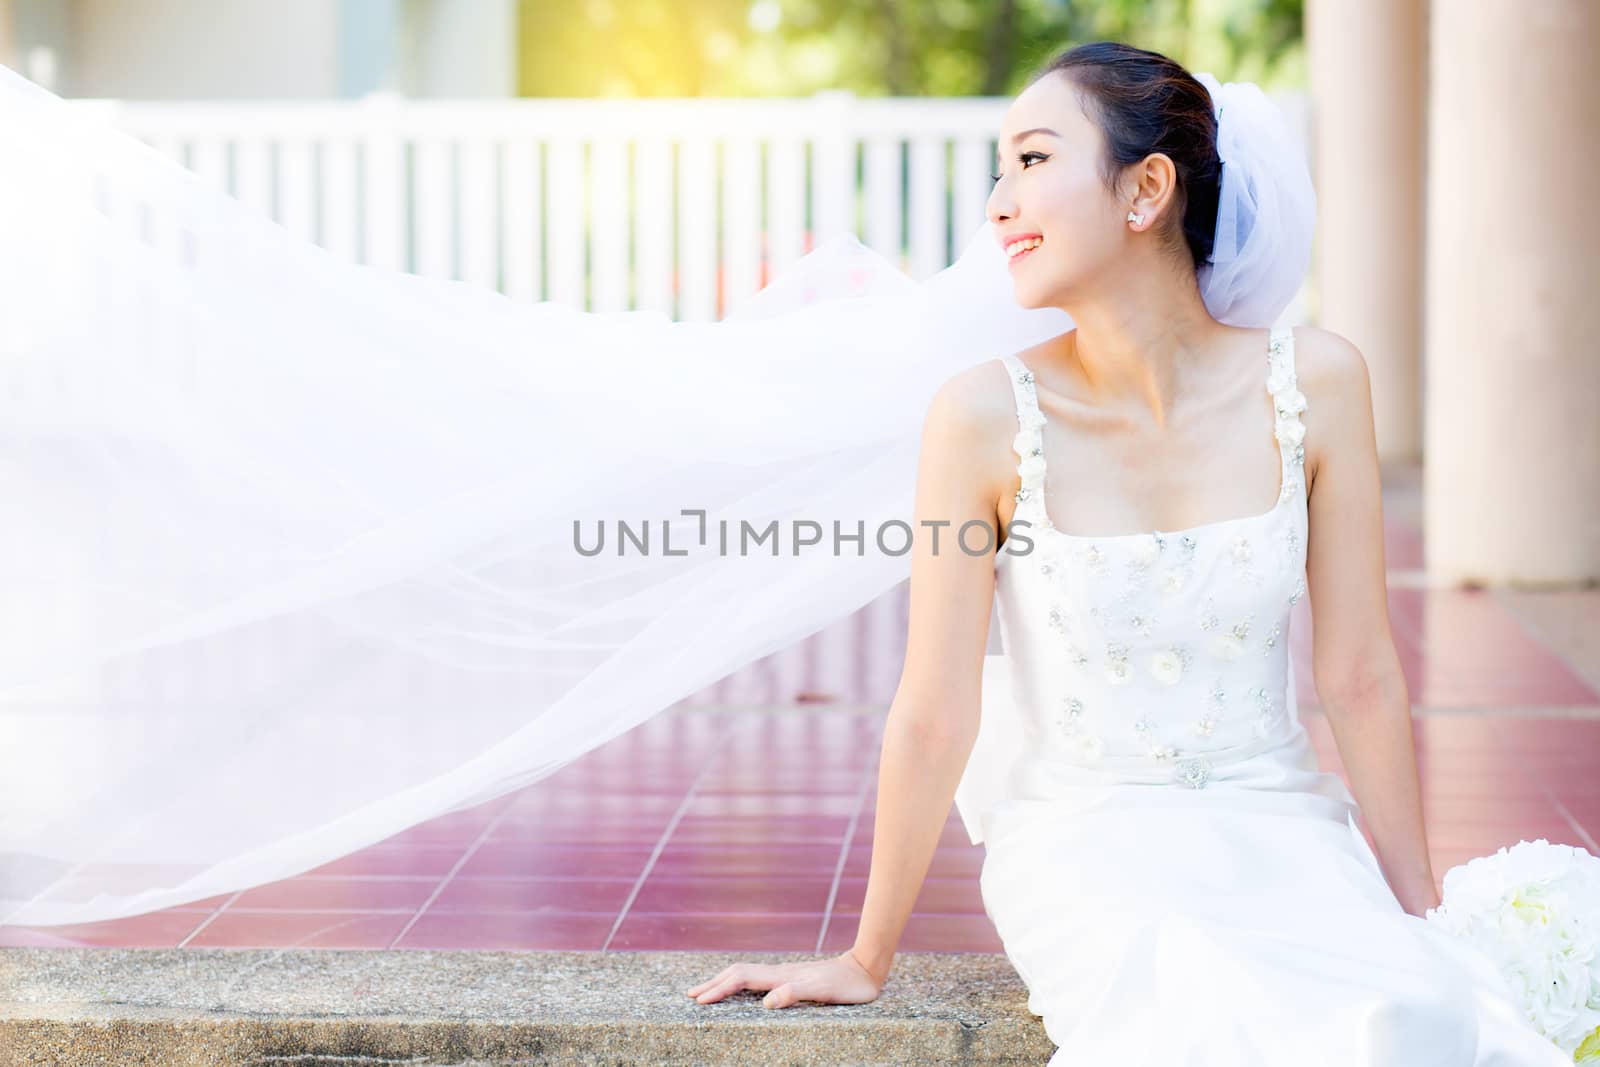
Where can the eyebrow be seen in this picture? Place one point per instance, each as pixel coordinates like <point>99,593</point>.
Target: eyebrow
<point>1037,129</point>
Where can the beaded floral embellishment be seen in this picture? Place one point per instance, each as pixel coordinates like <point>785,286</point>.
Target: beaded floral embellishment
<point>1029,443</point>
<point>1288,402</point>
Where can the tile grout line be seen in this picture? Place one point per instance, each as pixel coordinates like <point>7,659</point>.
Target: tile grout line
<point>471,850</point>
<point>1566,813</point>
<point>1509,712</point>
<point>867,778</point>
<point>209,919</point>
<point>666,834</point>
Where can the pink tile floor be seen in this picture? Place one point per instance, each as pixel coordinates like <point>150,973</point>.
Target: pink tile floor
<point>708,829</point>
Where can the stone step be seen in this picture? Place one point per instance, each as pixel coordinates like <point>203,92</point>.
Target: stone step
<point>227,1007</point>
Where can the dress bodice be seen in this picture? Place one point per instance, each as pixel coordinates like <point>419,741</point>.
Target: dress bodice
<point>1157,653</point>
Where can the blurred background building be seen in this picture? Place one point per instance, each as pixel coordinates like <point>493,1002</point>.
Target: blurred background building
<point>251,49</point>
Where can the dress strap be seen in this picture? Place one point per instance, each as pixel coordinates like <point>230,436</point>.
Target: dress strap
<point>1289,402</point>
<point>1029,442</point>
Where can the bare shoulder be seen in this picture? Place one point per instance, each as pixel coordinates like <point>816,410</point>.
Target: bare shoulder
<point>970,425</point>
<point>1333,375</point>
<point>975,406</point>
<point>1330,369</point>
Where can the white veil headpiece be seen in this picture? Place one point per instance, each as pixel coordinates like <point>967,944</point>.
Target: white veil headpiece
<point>290,565</point>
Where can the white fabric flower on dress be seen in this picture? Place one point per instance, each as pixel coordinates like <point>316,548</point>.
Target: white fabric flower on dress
<point>1145,551</point>
<point>1278,378</point>
<point>1031,469</point>
<point>1291,431</point>
<point>1166,667</point>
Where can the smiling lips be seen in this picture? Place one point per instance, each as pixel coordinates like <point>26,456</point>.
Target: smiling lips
<point>1015,250</point>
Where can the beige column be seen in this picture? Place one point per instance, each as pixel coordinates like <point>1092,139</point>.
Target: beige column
<point>1368,80</point>
<point>1511,479</point>
<point>8,35</point>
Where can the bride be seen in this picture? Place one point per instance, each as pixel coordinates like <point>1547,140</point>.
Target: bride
<point>294,565</point>
<point>1171,875</point>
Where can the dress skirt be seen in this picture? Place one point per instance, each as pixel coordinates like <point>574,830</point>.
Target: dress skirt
<point>1242,924</point>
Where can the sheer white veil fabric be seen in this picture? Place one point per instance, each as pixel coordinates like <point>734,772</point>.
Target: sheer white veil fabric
<point>291,561</point>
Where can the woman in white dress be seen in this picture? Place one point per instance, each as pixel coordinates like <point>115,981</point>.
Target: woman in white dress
<point>1172,876</point>
<point>282,518</point>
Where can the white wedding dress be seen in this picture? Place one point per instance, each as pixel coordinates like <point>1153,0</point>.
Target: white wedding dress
<point>1173,878</point>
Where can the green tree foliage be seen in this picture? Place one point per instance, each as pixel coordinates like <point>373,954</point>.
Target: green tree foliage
<point>879,47</point>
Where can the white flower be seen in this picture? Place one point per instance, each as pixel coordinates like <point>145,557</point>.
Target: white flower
<point>1025,442</point>
<point>1117,671</point>
<point>1032,469</point>
<point>1166,666</point>
<point>1241,549</point>
<point>1291,431</point>
<point>1172,584</point>
<point>1145,551</point>
<point>1292,401</point>
<point>1534,910</point>
<point>1278,378</point>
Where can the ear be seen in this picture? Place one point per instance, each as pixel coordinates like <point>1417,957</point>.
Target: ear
<point>1152,186</point>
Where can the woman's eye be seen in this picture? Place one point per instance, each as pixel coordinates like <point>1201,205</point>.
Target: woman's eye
<point>1023,159</point>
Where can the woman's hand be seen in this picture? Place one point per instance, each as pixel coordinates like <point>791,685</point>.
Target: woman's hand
<point>840,980</point>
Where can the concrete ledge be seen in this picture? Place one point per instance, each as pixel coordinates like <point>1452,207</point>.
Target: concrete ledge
<point>225,1007</point>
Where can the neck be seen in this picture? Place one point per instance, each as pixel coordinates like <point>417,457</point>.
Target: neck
<point>1138,330</point>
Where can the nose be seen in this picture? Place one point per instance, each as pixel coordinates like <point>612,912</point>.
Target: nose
<point>999,207</point>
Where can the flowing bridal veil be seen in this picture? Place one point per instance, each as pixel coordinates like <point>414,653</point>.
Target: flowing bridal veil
<point>292,558</point>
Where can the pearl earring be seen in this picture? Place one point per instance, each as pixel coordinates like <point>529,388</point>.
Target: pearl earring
<point>1135,219</point>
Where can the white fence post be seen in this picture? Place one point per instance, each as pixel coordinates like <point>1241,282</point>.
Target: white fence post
<point>383,203</point>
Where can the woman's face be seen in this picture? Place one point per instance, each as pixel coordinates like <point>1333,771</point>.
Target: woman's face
<point>1050,185</point>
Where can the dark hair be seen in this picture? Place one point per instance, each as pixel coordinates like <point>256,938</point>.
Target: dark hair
<point>1144,102</point>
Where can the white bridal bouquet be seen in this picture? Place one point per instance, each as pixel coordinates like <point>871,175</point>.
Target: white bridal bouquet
<point>1534,909</point>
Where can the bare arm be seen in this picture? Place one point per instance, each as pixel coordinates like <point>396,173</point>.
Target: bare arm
<point>1357,671</point>
<point>965,464</point>
<point>933,719</point>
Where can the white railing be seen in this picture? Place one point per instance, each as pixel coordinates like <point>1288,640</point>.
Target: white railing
<point>684,206</point>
